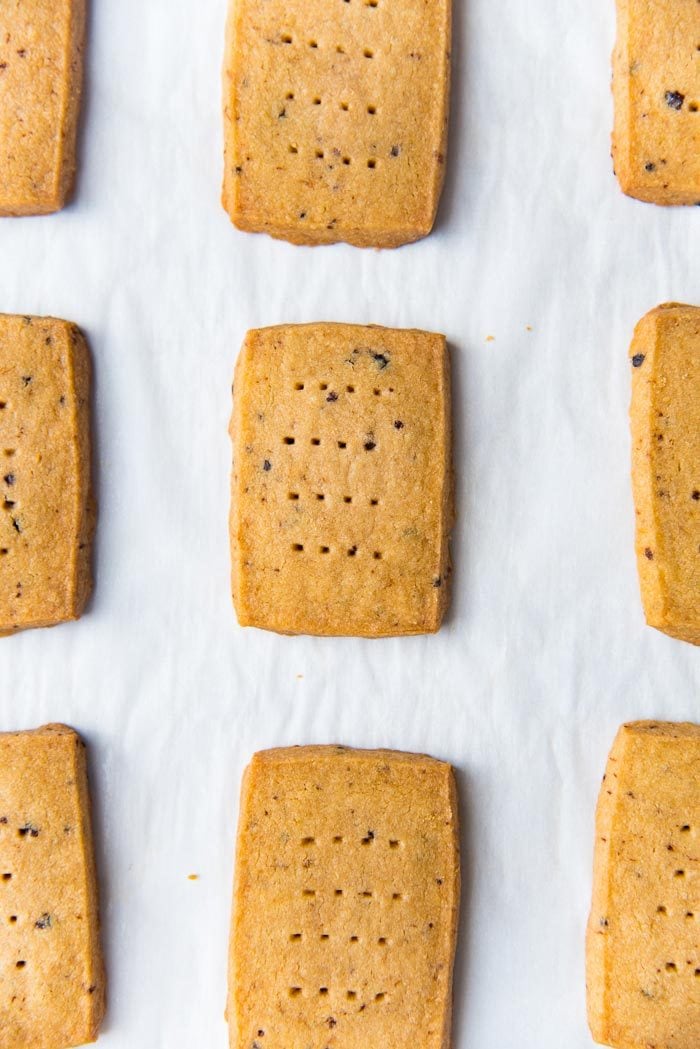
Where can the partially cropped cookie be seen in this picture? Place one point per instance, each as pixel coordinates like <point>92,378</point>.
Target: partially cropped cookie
<point>643,964</point>
<point>342,494</point>
<point>46,508</point>
<point>336,118</point>
<point>665,416</point>
<point>656,87</point>
<point>52,984</point>
<point>41,45</point>
<point>346,901</point>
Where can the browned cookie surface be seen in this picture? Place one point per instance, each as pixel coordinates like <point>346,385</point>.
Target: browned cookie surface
<point>51,974</point>
<point>347,893</point>
<point>665,416</point>
<point>336,118</point>
<point>41,44</point>
<point>656,87</point>
<point>643,940</point>
<point>46,507</point>
<point>342,482</point>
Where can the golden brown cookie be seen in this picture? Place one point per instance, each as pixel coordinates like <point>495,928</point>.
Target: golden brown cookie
<point>342,494</point>
<point>47,513</point>
<point>656,87</point>
<point>665,417</point>
<point>346,901</point>
<point>41,45</point>
<point>52,983</point>
<point>643,959</point>
<point>336,118</point>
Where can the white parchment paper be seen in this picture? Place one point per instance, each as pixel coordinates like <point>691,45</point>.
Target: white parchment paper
<point>545,651</point>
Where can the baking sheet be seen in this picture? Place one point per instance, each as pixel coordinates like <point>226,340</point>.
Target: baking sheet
<point>545,651</point>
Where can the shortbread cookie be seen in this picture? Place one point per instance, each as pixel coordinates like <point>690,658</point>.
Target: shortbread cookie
<point>346,901</point>
<point>656,86</point>
<point>643,941</point>
<point>665,358</point>
<point>52,985</point>
<point>342,482</point>
<point>41,45</point>
<point>47,514</point>
<point>336,118</point>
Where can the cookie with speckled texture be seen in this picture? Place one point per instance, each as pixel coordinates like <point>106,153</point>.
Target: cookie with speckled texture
<point>665,419</point>
<point>336,118</point>
<point>342,494</point>
<point>643,956</point>
<point>52,983</point>
<point>47,511</point>
<point>656,88</point>
<point>41,45</point>
<point>346,901</point>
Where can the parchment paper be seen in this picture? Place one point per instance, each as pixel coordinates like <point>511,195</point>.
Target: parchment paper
<point>545,652</point>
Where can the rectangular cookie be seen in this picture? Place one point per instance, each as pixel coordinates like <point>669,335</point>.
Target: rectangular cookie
<point>643,945</point>
<point>346,901</point>
<point>342,494</point>
<point>47,512</point>
<point>41,45</point>
<point>335,118</point>
<point>656,89</point>
<point>665,419</point>
<point>51,974</point>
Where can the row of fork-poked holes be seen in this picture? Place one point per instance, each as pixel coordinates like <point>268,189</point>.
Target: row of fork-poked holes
<point>26,832</point>
<point>353,551</point>
<point>674,969</point>
<point>288,39</point>
<point>323,992</point>
<point>323,386</point>
<point>13,917</point>
<point>296,937</point>
<point>316,100</point>
<point>321,498</point>
<point>347,161</point>
<point>663,911</point>
<point>678,874</point>
<point>13,920</point>
<point>369,445</point>
<point>365,894</point>
<point>7,876</point>
<point>8,504</point>
<point>369,839</point>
